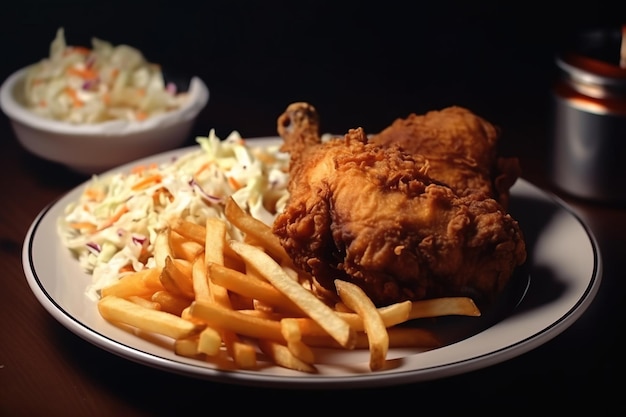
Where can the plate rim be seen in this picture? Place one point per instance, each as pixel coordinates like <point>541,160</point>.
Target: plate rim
<point>306,381</point>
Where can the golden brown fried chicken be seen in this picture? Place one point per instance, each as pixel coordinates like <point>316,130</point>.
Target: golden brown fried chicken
<point>371,215</point>
<point>461,149</point>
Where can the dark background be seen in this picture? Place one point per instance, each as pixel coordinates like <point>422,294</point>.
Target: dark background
<point>359,64</point>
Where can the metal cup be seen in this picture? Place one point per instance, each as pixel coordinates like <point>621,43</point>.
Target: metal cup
<point>588,157</point>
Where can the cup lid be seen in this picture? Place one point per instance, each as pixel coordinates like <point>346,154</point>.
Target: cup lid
<point>593,57</point>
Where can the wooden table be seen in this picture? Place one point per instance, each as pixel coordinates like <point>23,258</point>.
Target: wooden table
<point>45,369</point>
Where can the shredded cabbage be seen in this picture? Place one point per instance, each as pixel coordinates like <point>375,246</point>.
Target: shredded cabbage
<point>112,226</point>
<point>83,86</point>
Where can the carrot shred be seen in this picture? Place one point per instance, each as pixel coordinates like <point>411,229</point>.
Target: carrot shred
<point>115,217</point>
<point>202,168</point>
<point>87,74</point>
<point>74,96</point>
<point>147,181</point>
<point>234,183</point>
<point>141,115</point>
<point>83,225</point>
<point>94,194</point>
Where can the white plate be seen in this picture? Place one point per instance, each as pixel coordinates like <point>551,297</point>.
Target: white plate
<point>557,284</point>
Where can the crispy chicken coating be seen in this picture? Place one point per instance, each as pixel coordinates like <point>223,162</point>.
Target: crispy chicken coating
<point>372,215</point>
<point>461,148</point>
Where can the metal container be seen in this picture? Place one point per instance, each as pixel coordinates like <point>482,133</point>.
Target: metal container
<point>588,157</point>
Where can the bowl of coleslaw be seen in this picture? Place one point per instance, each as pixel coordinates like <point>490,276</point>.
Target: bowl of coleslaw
<point>92,109</point>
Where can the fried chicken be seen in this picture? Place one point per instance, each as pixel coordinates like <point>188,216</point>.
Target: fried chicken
<point>461,148</point>
<point>372,215</point>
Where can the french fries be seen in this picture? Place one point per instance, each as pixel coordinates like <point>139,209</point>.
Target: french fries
<point>256,230</point>
<point>215,235</point>
<point>223,299</point>
<point>334,325</point>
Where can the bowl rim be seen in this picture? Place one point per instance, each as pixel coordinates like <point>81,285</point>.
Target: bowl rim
<point>198,98</point>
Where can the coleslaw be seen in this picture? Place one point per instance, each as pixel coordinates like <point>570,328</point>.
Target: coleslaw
<point>111,228</point>
<point>91,85</point>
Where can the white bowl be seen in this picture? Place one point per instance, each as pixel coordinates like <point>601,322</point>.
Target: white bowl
<point>94,148</point>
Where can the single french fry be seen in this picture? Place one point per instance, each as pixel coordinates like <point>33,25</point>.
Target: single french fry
<point>257,230</point>
<point>282,356</point>
<point>240,323</point>
<point>215,234</point>
<point>170,303</point>
<point>140,283</point>
<point>302,351</point>
<point>355,298</point>
<point>445,306</point>
<point>152,278</point>
<point>190,230</point>
<point>244,355</point>
<point>290,329</point>
<point>199,280</point>
<point>161,248</point>
<point>187,347</point>
<point>120,310</point>
<point>307,301</point>
<point>176,277</point>
<point>209,341</point>
<point>184,248</point>
<point>144,302</point>
<point>215,238</point>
